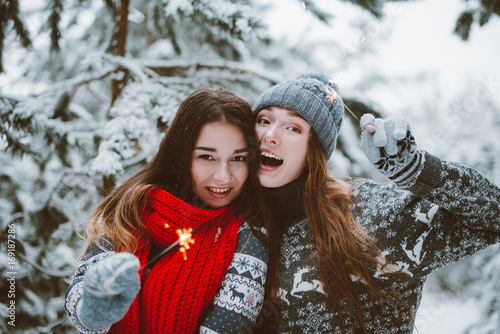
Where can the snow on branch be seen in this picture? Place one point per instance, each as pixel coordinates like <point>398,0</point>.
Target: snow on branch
<point>140,72</point>
<point>80,80</point>
<point>134,116</point>
<point>235,19</point>
<point>178,66</point>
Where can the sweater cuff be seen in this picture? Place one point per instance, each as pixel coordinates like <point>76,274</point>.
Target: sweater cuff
<point>429,178</point>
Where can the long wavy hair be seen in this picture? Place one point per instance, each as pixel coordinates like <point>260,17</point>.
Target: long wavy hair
<point>117,219</point>
<point>343,247</point>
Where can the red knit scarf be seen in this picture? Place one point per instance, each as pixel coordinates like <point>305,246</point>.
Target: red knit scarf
<point>177,291</point>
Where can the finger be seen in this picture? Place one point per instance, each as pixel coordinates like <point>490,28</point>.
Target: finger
<point>380,136</point>
<point>366,119</point>
<point>371,151</point>
<point>391,147</point>
<point>401,128</point>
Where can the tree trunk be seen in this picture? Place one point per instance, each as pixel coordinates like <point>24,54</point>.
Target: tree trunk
<point>121,39</point>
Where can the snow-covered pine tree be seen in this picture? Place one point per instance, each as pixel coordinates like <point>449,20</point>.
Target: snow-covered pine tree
<point>68,134</point>
<point>66,139</point>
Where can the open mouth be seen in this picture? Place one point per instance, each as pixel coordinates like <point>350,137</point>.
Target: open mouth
<point>219,190</point>
<point>269,159</point>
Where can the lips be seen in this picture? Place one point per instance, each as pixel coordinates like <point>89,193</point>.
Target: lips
<point>269,161</point>
<point>219,192</point>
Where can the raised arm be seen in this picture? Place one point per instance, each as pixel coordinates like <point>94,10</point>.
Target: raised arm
<point>435,213</point>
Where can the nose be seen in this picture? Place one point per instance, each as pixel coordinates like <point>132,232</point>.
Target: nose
<point>222,174</point>
<point>270,137</point>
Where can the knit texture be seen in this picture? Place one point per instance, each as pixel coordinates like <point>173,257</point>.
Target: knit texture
<point>392,149</point>
<point>459,216</point>
<point>316,99</point>
<point>177,291</point>
<point>110,288</point>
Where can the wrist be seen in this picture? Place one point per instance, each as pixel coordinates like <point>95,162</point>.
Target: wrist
<point>406,177</point>
<point>430,176</point>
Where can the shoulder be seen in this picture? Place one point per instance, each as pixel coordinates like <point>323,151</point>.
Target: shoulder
<point>251,241</point>
<point>254,226</point>
<point>101,245</point>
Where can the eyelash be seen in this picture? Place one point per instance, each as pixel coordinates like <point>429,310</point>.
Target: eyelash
<point>206,157</point>
<point>265,121</point>
<point>239,158</point>
<point>294,129</point>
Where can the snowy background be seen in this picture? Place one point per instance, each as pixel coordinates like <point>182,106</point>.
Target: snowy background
<point>66,141</point>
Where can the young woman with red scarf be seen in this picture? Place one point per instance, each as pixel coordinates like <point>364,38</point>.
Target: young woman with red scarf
<point>204,177</point>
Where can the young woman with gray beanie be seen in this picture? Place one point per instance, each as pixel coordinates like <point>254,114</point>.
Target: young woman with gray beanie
<point>353,258</point>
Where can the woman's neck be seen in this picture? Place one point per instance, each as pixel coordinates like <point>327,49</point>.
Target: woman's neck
<point>287,202</point>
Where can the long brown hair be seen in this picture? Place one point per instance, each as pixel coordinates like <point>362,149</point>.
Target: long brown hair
<point>117,219</point>
<point>343,247</point>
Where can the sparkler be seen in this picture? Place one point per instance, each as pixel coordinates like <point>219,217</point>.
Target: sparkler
<point>331,94</point>
<point>185,239</point>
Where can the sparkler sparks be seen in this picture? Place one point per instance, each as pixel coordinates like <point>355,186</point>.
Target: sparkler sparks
<point>185,239</point>
<point>331,94</point>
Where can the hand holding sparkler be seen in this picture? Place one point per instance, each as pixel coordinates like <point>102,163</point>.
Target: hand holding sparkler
<point>109,288</point>
<point>390,147</point>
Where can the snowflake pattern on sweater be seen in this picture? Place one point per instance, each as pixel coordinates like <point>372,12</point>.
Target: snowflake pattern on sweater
<point>222,316</point>
<point>450,213</point>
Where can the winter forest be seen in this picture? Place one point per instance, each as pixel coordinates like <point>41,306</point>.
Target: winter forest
<point>87,87</point>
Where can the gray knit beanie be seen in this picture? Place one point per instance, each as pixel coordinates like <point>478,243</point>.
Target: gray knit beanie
<point>313,97</point>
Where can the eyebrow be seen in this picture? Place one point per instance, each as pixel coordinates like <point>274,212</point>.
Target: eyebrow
<point>211,149</point>
<point>292,113</point>
<point>289,113</point>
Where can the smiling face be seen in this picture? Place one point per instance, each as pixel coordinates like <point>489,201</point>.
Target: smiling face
<point>219,166</point>
<point>283,136</point>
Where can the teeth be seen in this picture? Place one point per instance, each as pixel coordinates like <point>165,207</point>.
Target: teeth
<point>218,190</point>
<point>270,155</point>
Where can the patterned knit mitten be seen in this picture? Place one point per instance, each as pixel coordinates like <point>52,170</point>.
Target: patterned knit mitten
<point>390,147</point>
<point>109,288</point>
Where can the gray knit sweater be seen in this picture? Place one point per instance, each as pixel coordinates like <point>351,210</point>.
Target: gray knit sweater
<point>450,213</point>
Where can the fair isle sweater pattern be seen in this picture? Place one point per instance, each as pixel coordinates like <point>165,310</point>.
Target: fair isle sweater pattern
<point>226,314</point>
<point>450,213</point>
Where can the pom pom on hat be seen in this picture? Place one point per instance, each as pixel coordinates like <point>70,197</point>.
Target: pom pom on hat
<point>315,98</point>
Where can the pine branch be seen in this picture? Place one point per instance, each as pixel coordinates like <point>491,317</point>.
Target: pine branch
<point>74,83</point>
<point>19,24</point>
<point>110,4</point>
<point>318,13</point>
<point>464,24</point>
<point>134,67</point>
<point>50,272</point>
<point>373,6</point>
<point>50,327</point>
<point>16,147</point>
<point>54,20</point>
<point>4,18</point>
<point>178,67</point>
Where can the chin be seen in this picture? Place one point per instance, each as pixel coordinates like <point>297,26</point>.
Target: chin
<point>269,182</point>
